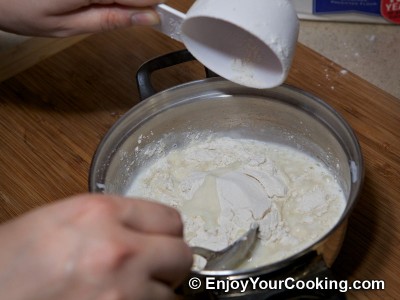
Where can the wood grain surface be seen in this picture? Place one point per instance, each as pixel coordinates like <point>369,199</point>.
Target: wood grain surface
<point>31,51</point>
<point>53,115</point>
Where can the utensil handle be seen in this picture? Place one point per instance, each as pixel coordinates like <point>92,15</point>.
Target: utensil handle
<point>143,75</point>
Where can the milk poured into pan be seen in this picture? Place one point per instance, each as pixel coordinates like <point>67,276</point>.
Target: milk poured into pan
<point>222,185</point>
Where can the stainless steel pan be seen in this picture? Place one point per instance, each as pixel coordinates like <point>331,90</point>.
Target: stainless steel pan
<point>282,115</point>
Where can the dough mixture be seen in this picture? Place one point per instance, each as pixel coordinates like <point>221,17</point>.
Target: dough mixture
<point>222,185</point>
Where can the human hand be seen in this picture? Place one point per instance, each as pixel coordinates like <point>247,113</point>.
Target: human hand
<point>61,18</point>
<point>93,247</point>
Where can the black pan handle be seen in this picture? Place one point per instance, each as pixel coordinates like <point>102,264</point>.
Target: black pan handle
<point>317,270</point>
<point>143,75</point>
<point>306,268</point>
<point>317,294</point>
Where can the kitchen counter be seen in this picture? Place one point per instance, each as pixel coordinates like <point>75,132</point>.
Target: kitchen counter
<point>54,114</point>
<point>369,50</point>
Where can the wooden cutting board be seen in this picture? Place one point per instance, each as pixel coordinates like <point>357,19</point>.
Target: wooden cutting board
<point>53,115</point>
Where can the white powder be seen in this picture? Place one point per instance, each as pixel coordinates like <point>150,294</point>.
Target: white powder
<point>222,185</point>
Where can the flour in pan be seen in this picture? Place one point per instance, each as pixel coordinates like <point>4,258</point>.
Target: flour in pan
<point>222,185</point>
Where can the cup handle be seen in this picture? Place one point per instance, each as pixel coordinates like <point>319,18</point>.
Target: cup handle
<point>170,21</point>
<point>143,75</point>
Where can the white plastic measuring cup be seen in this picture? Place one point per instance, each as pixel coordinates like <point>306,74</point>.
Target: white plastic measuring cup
<point>249,42</point>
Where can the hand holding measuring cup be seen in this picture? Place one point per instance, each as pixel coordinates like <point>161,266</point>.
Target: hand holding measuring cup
<point>250,42</point>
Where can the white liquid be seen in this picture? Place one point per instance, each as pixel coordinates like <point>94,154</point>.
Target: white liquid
<point>222,185</point>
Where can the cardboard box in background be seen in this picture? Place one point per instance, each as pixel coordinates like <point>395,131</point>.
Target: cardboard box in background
<point>367,11</point>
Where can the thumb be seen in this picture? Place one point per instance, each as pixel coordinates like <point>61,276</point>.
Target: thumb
<point>105,18</point>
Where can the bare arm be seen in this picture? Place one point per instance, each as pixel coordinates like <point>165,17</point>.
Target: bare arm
<point>60,18</point>
<point>93,247</point>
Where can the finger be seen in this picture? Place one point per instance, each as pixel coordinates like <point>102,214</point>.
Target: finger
<point>104,18</point>
<point>150,217</point>
<point>132,3</point>
<point>166,259</point>
<point>138,214</point>
<point>159,291</point>
<point>150,290</point>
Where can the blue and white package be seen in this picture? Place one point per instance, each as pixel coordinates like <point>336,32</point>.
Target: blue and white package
<point>364,11</point>
<point>345,6</point>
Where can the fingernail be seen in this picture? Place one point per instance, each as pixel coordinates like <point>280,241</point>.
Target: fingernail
<point>145,18</point>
